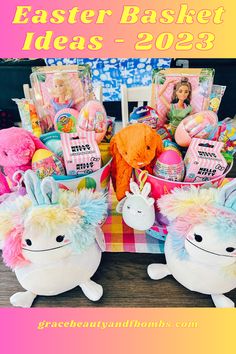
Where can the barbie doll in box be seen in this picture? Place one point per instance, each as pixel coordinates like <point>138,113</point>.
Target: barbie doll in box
<point>62,93</point>
<point>179,107</point>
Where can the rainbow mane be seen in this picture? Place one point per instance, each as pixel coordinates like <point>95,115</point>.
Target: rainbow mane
<point>215,207</point>
<point>46,211</point>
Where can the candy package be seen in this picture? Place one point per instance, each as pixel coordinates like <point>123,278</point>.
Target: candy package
<point>216,97</point>
<point>28,115</point>
<point>227,135</point>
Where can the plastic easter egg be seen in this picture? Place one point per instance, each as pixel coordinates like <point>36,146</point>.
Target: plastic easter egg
<point>93,117</point>
<point>65,120</point>
<point>46,163</point>
<point>144,114</point>
<point>202,125</point>
<point>170,145</point>
<point>170,157</point>
<point>88,183</point>
<point>169,165</point>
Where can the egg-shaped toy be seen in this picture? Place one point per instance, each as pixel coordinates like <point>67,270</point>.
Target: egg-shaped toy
<point>202,125</point>
<point>144,114</point>
<point>169,165</point>
<point>170,145</point>
<point>93,117</point>
<point>46,163</point>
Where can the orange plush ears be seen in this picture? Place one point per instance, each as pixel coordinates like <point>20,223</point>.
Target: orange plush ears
<point>134,146</point>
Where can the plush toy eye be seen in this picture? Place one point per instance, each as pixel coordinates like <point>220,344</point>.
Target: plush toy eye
<point>60,238</point>
<point>128,207</point>
<point>28,242</point>
<point>198,238</point>
<point>230,249</point>
<point>5,153</point>
<point>148,147</point>
<point>140,211</point>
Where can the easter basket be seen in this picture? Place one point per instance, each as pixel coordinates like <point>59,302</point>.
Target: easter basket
<point>163,186</point>
<point>98,180</point>
<point>160,187</point>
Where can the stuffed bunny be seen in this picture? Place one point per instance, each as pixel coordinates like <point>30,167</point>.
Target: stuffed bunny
<point>137,208</point>
<point>200,248</point>
<point>52,240</point>
<point>17,146</point>
<point>4,187</point>
<point>135,146</point>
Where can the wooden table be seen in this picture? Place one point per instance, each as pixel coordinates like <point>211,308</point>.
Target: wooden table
<point>125,283</point>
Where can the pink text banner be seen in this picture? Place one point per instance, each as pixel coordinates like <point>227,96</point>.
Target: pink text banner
<point>115,331</point>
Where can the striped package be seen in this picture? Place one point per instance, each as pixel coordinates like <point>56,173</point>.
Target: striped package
<point>81,152</point>
<point>204,160</point>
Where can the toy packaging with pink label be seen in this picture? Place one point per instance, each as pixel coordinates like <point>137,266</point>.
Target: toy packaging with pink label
<point>204,161</point>
<point>81,152</point>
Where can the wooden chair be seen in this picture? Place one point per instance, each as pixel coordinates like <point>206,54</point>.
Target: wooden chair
<point>133,94</point>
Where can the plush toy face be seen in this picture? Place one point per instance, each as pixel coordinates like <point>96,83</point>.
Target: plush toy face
<point>207,245</point>
<point>138,144</point>
<point>138,213</point>
<point>16,147</point>
<point>46,247</point>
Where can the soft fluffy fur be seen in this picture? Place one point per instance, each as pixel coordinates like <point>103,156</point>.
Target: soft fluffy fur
<point>17,147</point>
<point>4,188</point>
<point>186,208</point>
<point>78,212</point>
<point>130,146</point>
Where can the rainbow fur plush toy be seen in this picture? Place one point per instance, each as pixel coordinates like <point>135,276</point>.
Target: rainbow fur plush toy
<point>200,248</point>
<point>52,240</point>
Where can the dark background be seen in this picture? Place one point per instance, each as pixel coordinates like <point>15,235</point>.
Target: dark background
<point>14,74</point>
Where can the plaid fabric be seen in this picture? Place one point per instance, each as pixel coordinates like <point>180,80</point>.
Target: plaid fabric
<point>121,238</point>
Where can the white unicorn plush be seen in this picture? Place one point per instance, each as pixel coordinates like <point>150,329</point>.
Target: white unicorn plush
<point>200,248</point>
<point>52,240</point>
<point>138,209</point>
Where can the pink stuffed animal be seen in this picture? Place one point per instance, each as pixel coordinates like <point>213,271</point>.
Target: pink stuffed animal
<point>4,188</point>
<point>17,147</point>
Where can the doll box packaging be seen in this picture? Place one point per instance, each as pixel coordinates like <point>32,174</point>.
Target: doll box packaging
<point>59,87</point>
<point>204,161</point>
<point>166,86</point>
<point>81,152</point>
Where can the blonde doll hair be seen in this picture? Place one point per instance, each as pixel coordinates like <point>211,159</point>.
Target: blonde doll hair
<point>62,77</point>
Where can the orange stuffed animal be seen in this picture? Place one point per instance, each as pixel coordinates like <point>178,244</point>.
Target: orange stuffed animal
<point>134,146</point>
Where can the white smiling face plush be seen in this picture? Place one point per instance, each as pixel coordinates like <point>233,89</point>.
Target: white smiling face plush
<point>138,209</point>
<point>207,245</point>
<point>138,213</point>
<point>52,240</point>
<point>200,248</point>
<point>44,246</point>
